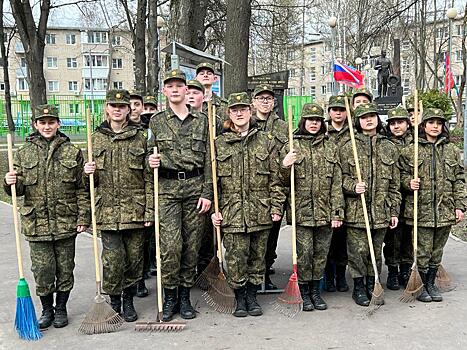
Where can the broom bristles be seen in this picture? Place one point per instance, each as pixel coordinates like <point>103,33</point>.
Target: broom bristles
<point>220,296</point>
<point>290,302</point>
<point>377,298</point>
<point>101,318</point>
<point>414,287</point>
<point>443,280</point>
<point>207,278</point>
<point>25,321</point>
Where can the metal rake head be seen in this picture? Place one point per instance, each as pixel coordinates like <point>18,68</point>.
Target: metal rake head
<point>101,318</point>
<point>156,326</point>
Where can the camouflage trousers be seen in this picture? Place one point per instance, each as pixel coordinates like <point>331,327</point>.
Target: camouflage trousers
<point>338,249</point>
<point>122,259</point>
<point>431,242</point>
<point>244,257</point>
<point>398,246</point>
<point>358,251</point>
<point>312,250</point>
<point>273,237</point>
<point>53,263</point>
<point>182,229</point>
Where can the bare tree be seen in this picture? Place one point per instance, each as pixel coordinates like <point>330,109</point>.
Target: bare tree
<point>6,38</point>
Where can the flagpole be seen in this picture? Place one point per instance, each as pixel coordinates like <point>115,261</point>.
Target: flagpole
<point>451,14</point>
<point>332,21</point>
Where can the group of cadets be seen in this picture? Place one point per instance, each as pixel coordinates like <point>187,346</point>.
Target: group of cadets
<point>254,161</point>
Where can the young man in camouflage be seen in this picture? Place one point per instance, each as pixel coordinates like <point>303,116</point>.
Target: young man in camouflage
<point>319,198</point>
<point>251,198</point>
<point>49,174</point>
<point>276,129</point>
<point>149,109</point>
<point>206,76</point>
<point>380,183</point>
<point>185,192</point>
<point>124,200</point>
<point>398,247</point>
<point>441,195</point>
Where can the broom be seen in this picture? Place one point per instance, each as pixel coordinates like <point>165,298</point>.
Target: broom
<point>414,284</point>
<point>25,320</point>
<point>101,318</point>
<point>290,302</point>
<point>219,295</point>
<point>377,297</point>
<point>443,280</point>
<point>209,275</point>
<point>158,325</point>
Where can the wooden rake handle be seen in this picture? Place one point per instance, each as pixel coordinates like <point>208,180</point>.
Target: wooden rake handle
<point>14,200</point>
<point>417,109</point>
<point>292,189</point>
<point>157,236</point>
<point>362,195</point>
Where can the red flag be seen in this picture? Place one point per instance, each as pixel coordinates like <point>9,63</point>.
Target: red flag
<point>348,75</point>
<point>448,78</point>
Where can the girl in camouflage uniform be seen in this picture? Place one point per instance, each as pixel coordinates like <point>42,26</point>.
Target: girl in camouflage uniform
<point>441,195</point>
<point>250,200</point>
<point>319,201</point>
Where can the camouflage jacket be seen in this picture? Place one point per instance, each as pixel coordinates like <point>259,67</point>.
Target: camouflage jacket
<point>250,189</point>
<point>403,141</point>
<point>221,107</point>
<point>338,137</point>
<point>318,181</point>
<point>276,129</point>
<point>441,183</point>
<point>378,163</point>
<point>183,145</point>
<point>124,196</point>
<point>50,177</point>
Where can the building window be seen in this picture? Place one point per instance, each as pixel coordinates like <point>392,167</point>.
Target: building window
<point>116,40</point>
<point>405,45</point>
<point>71,62</point>
<point>96,61</point>
<point>458,80</point>
<point>72,86</point>
<point>52,62</point>
<point>458,30</point>
<point>22,84</point>
<point>458,55</point>
<point>405,66</point>
<point>2,86</point>
<point>98,84</point>
<point>312,74</point>
<point>442,32</point>
<point>292,73</point>
<point>291,54</point>
<point>291,91</point>
<point>313,91</point>
<point>50,39</point>
<point>70,39</point>
<point>323,70</point>
<point>117,63</point>
<point>74,108</point>
<point>97,37</point>
<point>23,63</point>
<point>406,86</point>
<point>323,90</point>
<point>52,85</point>
<point>118,85</point>
<point>312,54</point>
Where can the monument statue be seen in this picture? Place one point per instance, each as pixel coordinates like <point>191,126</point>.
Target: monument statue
<point>384,67</point>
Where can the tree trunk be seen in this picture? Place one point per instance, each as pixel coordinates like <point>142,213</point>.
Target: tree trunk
<point>6,75</point>
<point>237,44</point>
<point>153,43</point>
<point>139,43</point>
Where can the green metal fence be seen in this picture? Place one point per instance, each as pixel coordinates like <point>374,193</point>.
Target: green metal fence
<point>297,103</point>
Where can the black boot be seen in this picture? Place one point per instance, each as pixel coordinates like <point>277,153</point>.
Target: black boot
<point>431,287</point>
<point>170,307</point>
<point>318,302</point>
<point>359,293</point>
<point>251,303</point>
<point>341,282</point>
<point>45,321</point>
<point>370,286</point>
<point>240,298</point>
<point>330,286</point>
<point>129,312</point>
<point>404,274</point>
<point>424,297</point>
<point>61,316</point>
<point>187,311</point>
<point>393,278</point>
<point>141,290</point>
<point>116,303</point>
<point>305,293</point>
<point>268,285</point>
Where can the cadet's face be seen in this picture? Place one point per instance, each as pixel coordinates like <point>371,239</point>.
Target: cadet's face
<point>263,102</point>
<point>434,127</point>
<point>369,122</point>
<point>398,127</point>
<point>195,98</point>
<point>117,112</point>
<point>412,118</point>
<point>312,125</point>
<point>240,115</point>
<point>149,108</point>
<point>337,114</point>
<point>206,77</point>
<point>136,109</point>
<point>175,90</point>
<point>360,99</point>
<point>47,127</point>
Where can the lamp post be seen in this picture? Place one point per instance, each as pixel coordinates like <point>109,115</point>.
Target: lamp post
<point>358,62</point>
<point>451,13</point>
<point>332,22</point>
<point>160,25</point>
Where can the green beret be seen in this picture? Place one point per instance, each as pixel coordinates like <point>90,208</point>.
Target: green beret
<point>398,113</point>
<point>195,84</point>
<point>238,98</point>
<point>364,109</point>
<point>204,65</point>
<point>175,74</point>
<point>430,113</point>
<point>337,101</point>
<point>263,88</point>
<point>150,100</point>
<point>46,110</point>
<point>312,110</point>
<point>118,96</point>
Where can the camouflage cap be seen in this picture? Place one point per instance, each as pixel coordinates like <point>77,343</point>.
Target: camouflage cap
<point>175,74</point>
<point>150,100</point>
<point>204,65</point>
<point>195,84</point>
<point>362,91</point>
<point>364,109</point>
<point>430,113</point>
<point>238,98</point>
<point>337,101</point>
<point>118,97</point>
<point>47,110</point>
<point>136,94</point>
<point>262,88</point>
<point>398,113</point>
<point>312,110</point>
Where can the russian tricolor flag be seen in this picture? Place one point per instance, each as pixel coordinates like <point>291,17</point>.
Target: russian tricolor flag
<point>348,75</point>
